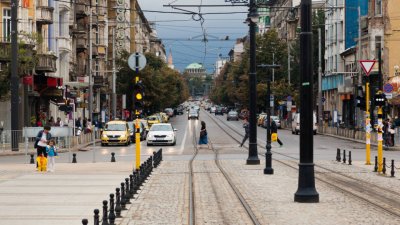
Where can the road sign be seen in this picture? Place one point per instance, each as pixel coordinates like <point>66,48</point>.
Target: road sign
<point>389,95</point>
<point>323,99</point>
<point>388,88</point>
<point>137,61</point>
<point>367,65</point>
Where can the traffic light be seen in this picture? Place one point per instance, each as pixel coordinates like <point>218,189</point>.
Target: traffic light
<point>361,102</point>
<point>138,94</point>
<point>379,99</point>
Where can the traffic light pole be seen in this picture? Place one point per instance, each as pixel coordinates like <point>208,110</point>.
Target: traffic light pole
<point>137,131</point>
<point>380,139</point>
<point>367,124</point>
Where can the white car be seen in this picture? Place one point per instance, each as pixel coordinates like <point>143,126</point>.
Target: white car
<point>296,124</point>
<point>212,109</point>
<point>161,134</point>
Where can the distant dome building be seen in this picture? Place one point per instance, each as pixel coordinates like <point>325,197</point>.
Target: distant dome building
<point>196,69</point>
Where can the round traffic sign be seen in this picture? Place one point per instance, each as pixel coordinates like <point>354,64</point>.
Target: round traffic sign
<point>388,88</point>
<point>137,61</point>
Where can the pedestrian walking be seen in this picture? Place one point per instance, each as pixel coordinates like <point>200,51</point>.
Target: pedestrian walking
<point>274,129</point>
<point>246,127</point>
<point>51,154</point>
<point>203,134</point>
<point>42,139</point>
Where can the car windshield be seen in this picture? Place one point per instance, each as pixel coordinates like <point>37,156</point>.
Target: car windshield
<point>193,112</point>
<point>232,113</point>
<point>161,128</point>
<point>152,118</point>
<point>115,127</point>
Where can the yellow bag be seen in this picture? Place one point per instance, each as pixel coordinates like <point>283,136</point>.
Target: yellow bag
<point>42,163</point>
<point>274,137</point>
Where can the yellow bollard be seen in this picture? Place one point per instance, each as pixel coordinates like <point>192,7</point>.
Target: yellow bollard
<point>137,142</point>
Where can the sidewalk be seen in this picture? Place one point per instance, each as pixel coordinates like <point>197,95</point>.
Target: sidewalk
<point>31,150</point>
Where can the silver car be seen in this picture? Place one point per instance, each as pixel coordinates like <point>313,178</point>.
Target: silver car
<point>232,115</point>
<point>276,119</point>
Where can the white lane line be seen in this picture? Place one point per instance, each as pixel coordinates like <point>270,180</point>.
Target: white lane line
<point>184,139</point>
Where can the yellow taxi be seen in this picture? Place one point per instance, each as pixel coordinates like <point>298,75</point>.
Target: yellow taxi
<point>164,117</point>
<point>116,132</point>
<point>153,119</point>
<point>261,118</point>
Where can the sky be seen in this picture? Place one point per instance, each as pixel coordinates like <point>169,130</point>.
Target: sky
<point>184,36</point>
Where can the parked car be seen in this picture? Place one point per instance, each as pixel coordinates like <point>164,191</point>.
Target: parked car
<point>273,118</point>
<point>232,115</point>
<point>193,114</point>
<point>218,111</point>
<point>169,112</point>
<point>143,131</point>
<point>161,133</point>
<point>179,110</point>
<point>116,132</point>
<point>212,109</point>
<point>296,123</point>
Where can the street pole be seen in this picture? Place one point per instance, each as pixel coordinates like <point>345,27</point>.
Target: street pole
<point>114,96</point>
<point>319,80</point>
<point>380,116</point>
<point>14,76</point>
<point>367,124</point>
<point>306,191</point>
<point>90,64</point>
<point>289,57</point>
<point>253,155</point>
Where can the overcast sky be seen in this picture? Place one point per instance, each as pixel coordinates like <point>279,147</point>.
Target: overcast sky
<point>183,35</point>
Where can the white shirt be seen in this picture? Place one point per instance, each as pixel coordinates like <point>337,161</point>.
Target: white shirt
<point>43,140</point>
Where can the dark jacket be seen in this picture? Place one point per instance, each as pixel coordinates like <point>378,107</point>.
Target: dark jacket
<point>39,135</point>
<point>274,128</point>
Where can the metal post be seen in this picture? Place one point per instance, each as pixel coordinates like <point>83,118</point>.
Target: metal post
<point>367,124</point>
<point>289,57</point>
<point>268,155</point>
<point>114,96</point>
<point>14,75</point>
<point>380,116</point>
<point>90,65</point>
<point>306,191</point>
<point>319,80</point>
<point>253,155</point>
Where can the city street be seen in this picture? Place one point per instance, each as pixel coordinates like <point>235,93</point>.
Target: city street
<point>73,191</point>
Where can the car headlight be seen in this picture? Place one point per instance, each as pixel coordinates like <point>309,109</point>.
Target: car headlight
<point>104,135</point>
<point>123,136</point>
<point>170,135</point>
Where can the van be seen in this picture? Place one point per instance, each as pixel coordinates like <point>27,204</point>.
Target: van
<point>296,123</point>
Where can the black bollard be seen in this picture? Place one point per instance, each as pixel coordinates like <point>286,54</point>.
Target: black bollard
<point>96,217</point>
<point>392,169</point>
<point>111,215</point>
<point>338,155</point>
<point>127,192</point>
<point>376,164</point>
<point>349,157</point>
<point>85,222</point>
<point>137,180</point>
<point>33,162</point>
<point>160,154</point>
<point>154,159</point>
<point>105,213</point>
<point>118,203</point>
<point>131,187</point>
<point>384,166</point>
<point>344,156</point>
<point>112,157</point>
<point>151,164</point>
<point>74,158</point>
<point>123,203</point>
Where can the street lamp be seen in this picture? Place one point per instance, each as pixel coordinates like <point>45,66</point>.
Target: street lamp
<point>306,191</point>
<point>268,155</point>
<point>252,18</point>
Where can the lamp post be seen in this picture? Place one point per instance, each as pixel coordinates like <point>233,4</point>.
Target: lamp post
<point>252,19</point>
<point>268,155</point>
<point>306,191</point>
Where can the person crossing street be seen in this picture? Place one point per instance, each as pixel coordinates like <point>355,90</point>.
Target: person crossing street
<point>246,127</point>
<point>274,129</point>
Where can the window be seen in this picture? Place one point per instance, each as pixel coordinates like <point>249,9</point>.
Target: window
<point>6,24</point>
<point>378,7</point>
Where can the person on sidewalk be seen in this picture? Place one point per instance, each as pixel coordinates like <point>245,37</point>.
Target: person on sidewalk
<point>42,139</point>
<point>274,129</point>
<point>203,134</point>
<point>246,127</point>
<point>51,152</point>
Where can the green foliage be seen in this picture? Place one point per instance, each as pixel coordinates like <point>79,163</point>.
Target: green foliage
<point>164,87</point>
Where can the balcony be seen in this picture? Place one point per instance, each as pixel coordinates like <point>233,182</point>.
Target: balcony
<point>81,43</point>
<point>44,14</point>
<point>95,50</point>
<point>5,52</point>
<point>79,28</point>
<point>81,9</point>
<point>64,44</point>
<point>46,63</point>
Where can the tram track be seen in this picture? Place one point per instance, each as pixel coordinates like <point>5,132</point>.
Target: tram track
<point>192,196</point>
<point>383,198</point>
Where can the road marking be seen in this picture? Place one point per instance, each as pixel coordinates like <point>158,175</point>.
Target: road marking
<point>184,139</point>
